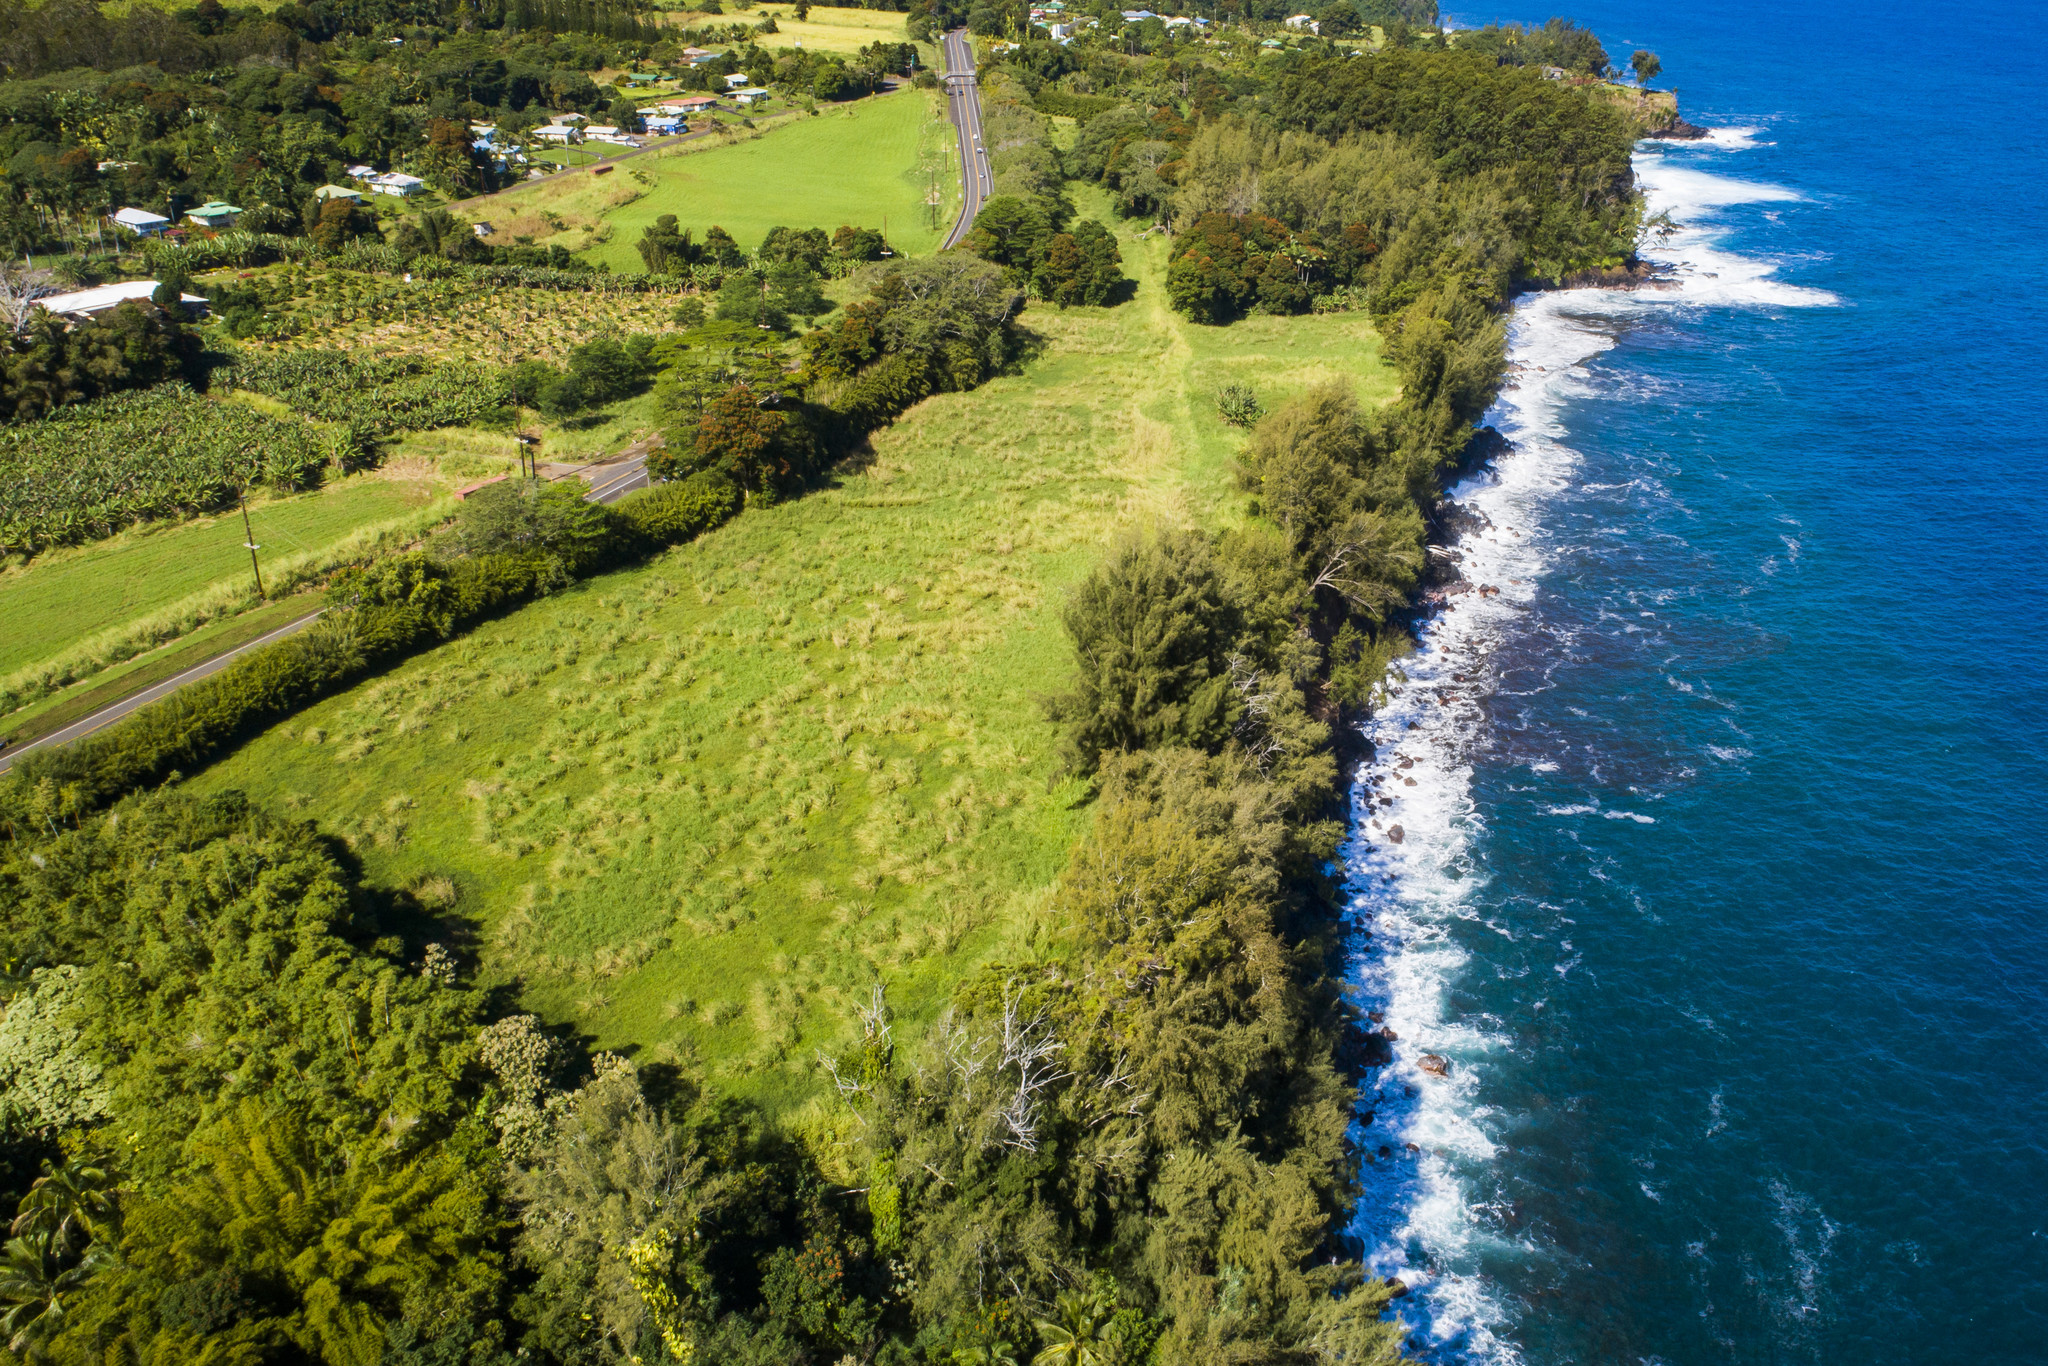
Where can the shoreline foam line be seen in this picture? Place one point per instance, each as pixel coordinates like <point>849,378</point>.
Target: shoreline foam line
<point>1414,874</point>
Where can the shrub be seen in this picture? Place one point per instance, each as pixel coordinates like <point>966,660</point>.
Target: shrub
<point>669,514</point>
<point>1239,405</point>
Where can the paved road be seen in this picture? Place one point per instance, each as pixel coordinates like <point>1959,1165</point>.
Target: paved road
<point>608,484</point>
<point>963,103</point>
<point>108,715</point>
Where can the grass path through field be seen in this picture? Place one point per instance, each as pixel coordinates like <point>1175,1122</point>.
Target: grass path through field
<point>699,807</point>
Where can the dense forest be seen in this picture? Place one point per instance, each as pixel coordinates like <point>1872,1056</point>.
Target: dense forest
<point>253,1110</point>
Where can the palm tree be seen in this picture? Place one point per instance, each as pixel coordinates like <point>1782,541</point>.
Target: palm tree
<point>34,1286</point>
<point>69,1205</point>
<point>1075,1334</point>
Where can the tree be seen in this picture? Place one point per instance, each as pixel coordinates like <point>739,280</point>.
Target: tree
<point>37,1287</point>
<point>69,1205</point>
<point>533,516</point>
<point>341,221</point>
<point>1646,66</point>
<point>1074,1335</point>
<point>1338,21</point>
<point>793,289</point>
<point>1151,632</point>
<point>737,437</point>
<point>667,250</point>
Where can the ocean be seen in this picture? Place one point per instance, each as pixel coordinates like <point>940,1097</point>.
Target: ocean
<point>1719,884</point>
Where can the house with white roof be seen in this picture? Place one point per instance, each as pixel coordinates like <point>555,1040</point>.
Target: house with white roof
<point>141,222</point>
<point>736,81</point>
<point>90,303</point>
<point>398,184</point>
<point>559,132</point>
<point>753,94</point>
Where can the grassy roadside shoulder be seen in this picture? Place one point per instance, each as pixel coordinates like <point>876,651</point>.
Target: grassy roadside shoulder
<point>122,681</point>
<point>75,613</point>
<point>698,807</point>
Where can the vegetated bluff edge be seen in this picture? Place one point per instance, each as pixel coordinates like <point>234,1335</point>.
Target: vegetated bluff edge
<point>255,1111</point>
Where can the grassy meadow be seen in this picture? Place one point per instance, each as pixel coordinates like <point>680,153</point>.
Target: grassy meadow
<point>828,28</point>
<point>698,807</point>
<point>857,163</point>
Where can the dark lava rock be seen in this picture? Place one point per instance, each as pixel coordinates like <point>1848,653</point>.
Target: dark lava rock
<point>1396,1288</point>
<point>1434,1065</point>
<point>1678,130</point>
<point>1395,834</point>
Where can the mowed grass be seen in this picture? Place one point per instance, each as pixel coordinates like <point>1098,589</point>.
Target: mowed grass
<point>858,163</point>
<point>698,808</point>
<point>65,596</point>
<point>830,29</point>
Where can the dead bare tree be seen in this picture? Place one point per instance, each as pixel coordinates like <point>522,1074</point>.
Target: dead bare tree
<point>19,290</point>
<point>1364,560</point>
<point>1029,1046</point>
<point>1257,700</point>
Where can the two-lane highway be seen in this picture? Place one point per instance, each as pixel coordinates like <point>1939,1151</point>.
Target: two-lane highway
<point>963,103</point>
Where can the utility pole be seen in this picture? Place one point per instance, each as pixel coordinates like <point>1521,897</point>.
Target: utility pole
<point>249,540</point>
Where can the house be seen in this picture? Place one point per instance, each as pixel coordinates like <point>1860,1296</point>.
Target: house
<point>214,214</point>
<point>141,222</point>
<point>328,192</point>
<point>736,81</point>
<point>397,184</point>
<point>559,132</point>
<point>607,133</point>
<point>663,125</point>
<point>1138,16</point>
<point>361,172</point>
<point>642,77</point>
<point>106,166</point>
<point>90,303</point>
<point>694,55</point>
<point>1061,30</point>
<point>695,104</point>
<point>1303,22</point>
<point>753,94</point>
<point>482,229</point>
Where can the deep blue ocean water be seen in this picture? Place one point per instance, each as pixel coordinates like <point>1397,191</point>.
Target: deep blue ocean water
<point>1720,885</point>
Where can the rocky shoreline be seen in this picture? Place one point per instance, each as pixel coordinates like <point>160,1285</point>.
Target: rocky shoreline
<point>1678,130</point>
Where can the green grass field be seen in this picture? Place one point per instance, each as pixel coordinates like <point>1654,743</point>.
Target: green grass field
<point>65,596</point>
<point>697,808</point>
<point>861,163</point>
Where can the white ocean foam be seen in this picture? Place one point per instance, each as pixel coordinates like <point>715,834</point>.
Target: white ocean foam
<point>1702,270</point>
<point>1414,875</point>
<point>1733,139</point>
